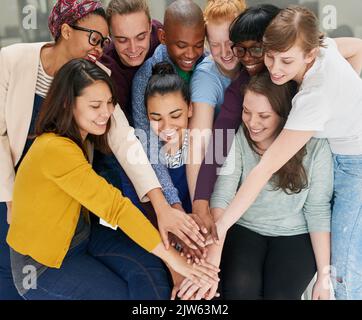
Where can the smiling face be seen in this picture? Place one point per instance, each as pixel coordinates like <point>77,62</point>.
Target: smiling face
<point>260,119</point>
<point>168,115</point>
<point>77,41</point>
<point>253,65</point>
<point>93,108</point>
<point>185,44</point>
<point>131,36</point>
<point>289,65</point>
<point>220,46</point>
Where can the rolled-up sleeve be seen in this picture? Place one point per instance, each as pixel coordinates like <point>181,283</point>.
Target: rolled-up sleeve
<point>131,156</point>
<point>317,207</point>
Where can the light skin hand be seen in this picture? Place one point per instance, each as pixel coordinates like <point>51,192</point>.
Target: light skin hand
<point>321,247</point>
<point>321,289</point>
<point>198,274</point>
<point>182,226</point>
<point>209,290</point>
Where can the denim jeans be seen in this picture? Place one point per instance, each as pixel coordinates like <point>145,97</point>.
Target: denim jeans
<point>7,287</point>
<point>347,227</point>
<point>107,266</point>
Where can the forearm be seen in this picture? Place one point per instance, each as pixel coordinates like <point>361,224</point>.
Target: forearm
<point>192,171</point>
<point>168,256</point>
<point>322,247</point>
<point>215,250</point>
<point>158,200</point>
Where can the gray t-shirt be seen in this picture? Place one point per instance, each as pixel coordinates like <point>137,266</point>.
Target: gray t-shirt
<point>274,212</point>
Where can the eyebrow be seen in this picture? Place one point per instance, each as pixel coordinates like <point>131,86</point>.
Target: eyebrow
<point>257,112</point>
<point>172,112</point>
<point>186,43</point>
<point>140,34</point>
<point>100,100</point>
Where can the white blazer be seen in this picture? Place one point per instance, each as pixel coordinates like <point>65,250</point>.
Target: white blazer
<point>18,74</point>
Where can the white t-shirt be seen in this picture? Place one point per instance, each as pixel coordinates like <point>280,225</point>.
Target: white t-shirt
<point>330,102</point>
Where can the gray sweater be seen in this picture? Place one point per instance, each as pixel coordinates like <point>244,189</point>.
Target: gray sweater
<point>274,212</point>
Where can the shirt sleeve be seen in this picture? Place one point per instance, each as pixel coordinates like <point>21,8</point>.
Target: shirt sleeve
<point>148,138</point>
<point>317,207</point>
<point>131,156</point>
<point>227,122</point>
<point>7,172</point>
<point>309,111</point>
<point>205,88</point>
<point>65,164</point>
<point>228,181</point>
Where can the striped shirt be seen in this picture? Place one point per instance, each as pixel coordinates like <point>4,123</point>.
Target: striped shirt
<point>43,82</point>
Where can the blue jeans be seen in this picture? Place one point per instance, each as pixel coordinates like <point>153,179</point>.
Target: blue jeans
<point>347,227</point>
<point>107,266</point>
<point>7,287</point>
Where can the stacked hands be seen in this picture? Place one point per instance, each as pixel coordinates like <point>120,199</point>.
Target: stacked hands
<point>191,235</point>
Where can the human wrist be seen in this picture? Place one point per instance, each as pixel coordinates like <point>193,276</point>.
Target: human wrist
<point>177,206</point>
<point>323,273</point>
<point>158,201</point>
<point>222,228</point>
<point>200,206</point>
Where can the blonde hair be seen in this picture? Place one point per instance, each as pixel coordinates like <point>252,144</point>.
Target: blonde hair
<point>219,10</point>
<point>293,25</point>
<point>122,7</point>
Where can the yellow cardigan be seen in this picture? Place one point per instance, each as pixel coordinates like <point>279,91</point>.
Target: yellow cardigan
<point>53,181</point>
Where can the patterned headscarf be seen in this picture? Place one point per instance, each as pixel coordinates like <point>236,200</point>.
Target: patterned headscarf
<point>70,11</point>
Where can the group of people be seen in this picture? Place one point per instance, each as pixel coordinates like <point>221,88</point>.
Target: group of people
<point>139,161</point>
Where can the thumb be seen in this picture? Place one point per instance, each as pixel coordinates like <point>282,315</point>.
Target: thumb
<point>174,292</point>
<point>164,237</point>
<point>214,234</point>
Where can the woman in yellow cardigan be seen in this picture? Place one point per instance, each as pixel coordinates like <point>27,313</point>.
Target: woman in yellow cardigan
<point>80,30</point>
<point>55,186</point>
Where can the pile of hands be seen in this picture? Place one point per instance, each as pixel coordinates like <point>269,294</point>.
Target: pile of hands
<point>192,235</point>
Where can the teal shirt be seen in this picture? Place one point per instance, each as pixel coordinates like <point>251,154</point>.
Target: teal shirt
<point>274,212</point>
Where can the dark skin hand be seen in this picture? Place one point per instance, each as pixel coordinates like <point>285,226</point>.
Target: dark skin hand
<point>202,210</point>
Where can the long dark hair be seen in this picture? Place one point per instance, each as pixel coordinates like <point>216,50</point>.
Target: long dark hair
<point>292,177</point>
<point>56,114</point>
<point>165,80</point>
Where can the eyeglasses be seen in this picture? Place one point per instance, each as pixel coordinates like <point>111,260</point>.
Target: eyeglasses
<point>239,51</point>
<point>95,37</point>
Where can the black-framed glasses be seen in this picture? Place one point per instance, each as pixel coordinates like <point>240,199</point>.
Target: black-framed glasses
<point>240,51</point>
<point>95,37</point>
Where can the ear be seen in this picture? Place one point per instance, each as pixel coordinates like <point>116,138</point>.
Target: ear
<point>65,31</point>
<point>311,55</point>
<point>161,36</point>
<point>190,110</point>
